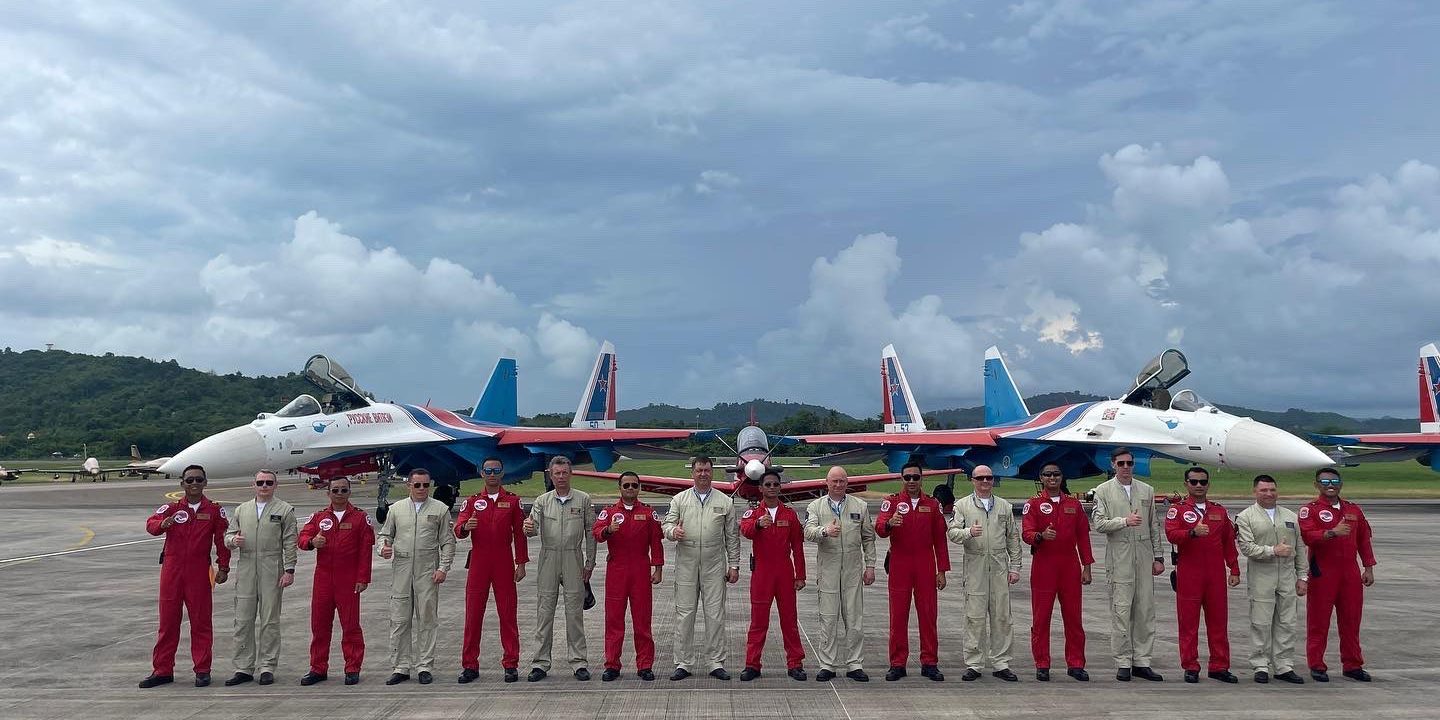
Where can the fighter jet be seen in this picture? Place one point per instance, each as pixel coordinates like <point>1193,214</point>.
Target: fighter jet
<point>1148,420</point>
<point>345,432</point>
<point>1391,447</point>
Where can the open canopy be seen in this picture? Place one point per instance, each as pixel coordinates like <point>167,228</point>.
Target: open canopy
<point>339,388</point>
<point>1152,385</point>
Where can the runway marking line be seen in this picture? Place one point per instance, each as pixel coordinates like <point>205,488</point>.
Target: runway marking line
<point>833,688</point>
<point>81,547</point>
<point>86,536</point>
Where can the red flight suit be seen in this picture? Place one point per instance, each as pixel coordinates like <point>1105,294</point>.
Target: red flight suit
<point>1200,580</point>
<point>779,561</point>
<point>185,578</point>
<point>343,562</point>
<point>1055,571</point>
<point>633,550</point>
<point>499,535</point>
<point>918,552</point>
<point>1335,580</point>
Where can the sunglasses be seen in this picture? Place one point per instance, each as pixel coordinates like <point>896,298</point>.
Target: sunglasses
<point>419,485</point>
<point>770,484</point>
<point>193,480</point>
<point>340,490</point>
<point>264,483</point>
<point>982,477</point>
<point>910,478</point>
<point>1198,482</point>
<point>492,471</point>
<point>1051,473</point>
<point>1329,481</point>
<point>629,486</point>
<point>1124,463</point>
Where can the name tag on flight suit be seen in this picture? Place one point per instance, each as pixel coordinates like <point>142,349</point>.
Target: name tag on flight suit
<point>1212,517</point>
<point>344,526</point>
<point>854,517</point>
<point>924,508</point>
<point>1350,516</point>
<point>640,517</point>
<point>783,523</point>
<point>574,511</point>
<point>718,510</point>
<point>275,518</point>
<point>1069,509</point>
<point>502,504</point>
<point>202,516</point>
<point>1290,525</point>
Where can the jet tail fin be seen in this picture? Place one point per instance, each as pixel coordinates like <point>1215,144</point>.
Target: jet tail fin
<point>1429,389</point>
<point>135,453</point>
<point>500,402</point>
<point>901,414</point>
<point>1002,399</point>
<point>597,403</point>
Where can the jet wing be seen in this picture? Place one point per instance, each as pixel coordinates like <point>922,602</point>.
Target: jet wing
<point>1383,439</point>
<point>790,491</point>
<point>972,438</point>
<point>540,436</point>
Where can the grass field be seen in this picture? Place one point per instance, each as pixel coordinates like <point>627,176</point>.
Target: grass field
<point>1389,480</point>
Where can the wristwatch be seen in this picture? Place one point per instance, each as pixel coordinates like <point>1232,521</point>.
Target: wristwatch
<point>290,571</point>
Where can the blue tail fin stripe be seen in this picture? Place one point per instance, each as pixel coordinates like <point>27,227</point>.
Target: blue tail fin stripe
<point>500,402</point>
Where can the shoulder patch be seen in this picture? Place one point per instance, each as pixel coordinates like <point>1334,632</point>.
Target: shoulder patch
<point>884,506</point>
<point>1026,509</point>
<point>603,514</point>
<point>222,512</point>
<point>748,513</point>
<point>161,510</point>
<point>1304,512</point>
<point>1172,513</point>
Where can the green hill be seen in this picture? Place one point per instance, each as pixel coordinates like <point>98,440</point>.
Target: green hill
<point>106,404</point>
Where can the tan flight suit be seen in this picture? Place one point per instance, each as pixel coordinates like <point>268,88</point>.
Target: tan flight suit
<point>1130,552</point>
<point>989,560</point>
<point>1270,584</point>
<point>255,569</point>
<point>839,576</point>
<point>710,548</point>
<point>564,530</point>
<point>423,542</point>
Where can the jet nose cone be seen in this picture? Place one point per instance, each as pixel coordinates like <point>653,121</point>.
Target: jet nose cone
<point>237,452</point>
<point>754,469</point>
<point>1252,445</point>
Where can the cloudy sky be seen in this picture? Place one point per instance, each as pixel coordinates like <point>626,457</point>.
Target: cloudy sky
<point>748,198</point>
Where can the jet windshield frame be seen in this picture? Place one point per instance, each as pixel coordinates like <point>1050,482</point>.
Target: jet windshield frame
<point>335,382</point>
<point>1153,383</point>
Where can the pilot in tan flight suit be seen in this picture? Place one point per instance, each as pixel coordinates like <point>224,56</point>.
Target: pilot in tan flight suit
<point>986,526</point>
<point>1134,547</point>
<point>418,535</point>
<point>562,518</point>
<point>1277,571</point>
<point>263,540</point>
<point>702,523</point>
<point>840,526</point>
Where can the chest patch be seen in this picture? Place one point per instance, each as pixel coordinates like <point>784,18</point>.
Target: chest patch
<point>904,508</point>
<point>481,504</point>
<point>326,524</point>
<point>620,518</point>
<point>1047,508</point>
<point>1326,516</point>
<point>1191,517</point>
<point>182,516</point>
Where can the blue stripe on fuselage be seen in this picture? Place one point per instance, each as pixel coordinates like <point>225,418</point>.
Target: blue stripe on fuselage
<point>427,421</point>
<point>1065,419</point>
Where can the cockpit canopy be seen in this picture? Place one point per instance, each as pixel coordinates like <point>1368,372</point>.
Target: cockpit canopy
<point>1152,385</point>
<point>1189,401</point>
<point>340,393</point>
<point>301,406</point>
<point>752,438</point>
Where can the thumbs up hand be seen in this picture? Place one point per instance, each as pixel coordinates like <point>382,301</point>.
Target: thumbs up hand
<point>1283,550</point>
<point>1049,533</point>
<point>1201,529</point>
<point>1133,519</point>
<point>833,529</point>
<point>318,542</point>
<point>975,529</point>
<point>239,539</point>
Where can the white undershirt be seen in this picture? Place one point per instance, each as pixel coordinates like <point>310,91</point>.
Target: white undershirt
<point>260,509</point>
<point>629,507</point>
<point>1271,513</point>
<point>772,511</point>
<point>989,503</point>
<point>563,500</point>
<point>1201,507</point>
<point>195,507</point>
<point>1127,491</point>
<point>495,497</point>
<point>418,505</point>
<point>703,497</point>
<point>1055,500</point>
<point>339,514</point>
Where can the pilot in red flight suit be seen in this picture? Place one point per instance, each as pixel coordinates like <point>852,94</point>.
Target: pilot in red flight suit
<point>191,526</point>
<point>1205,536</point>
<point>633,563</point>
<point>778,541</point>
<point>917,562</point>
<point>1056,527</point>
<point>493,520</point>
<point>341,536</point>
<point>1335,530</point>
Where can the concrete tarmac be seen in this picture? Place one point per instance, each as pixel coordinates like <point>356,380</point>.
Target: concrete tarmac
<point>79,579</point>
